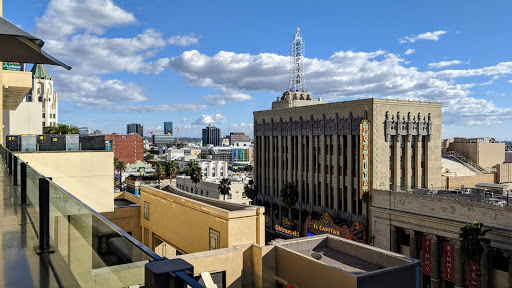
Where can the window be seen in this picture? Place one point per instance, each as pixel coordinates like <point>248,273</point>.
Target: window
<point>146,210</point>
<point>214,239</point>
<point>230,196</point>
<point>44,115</point>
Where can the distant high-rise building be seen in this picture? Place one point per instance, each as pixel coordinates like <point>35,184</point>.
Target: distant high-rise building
<point>211,136</point>
<point>168,127</point>
<point>83,130</point>
<point>135,128</point>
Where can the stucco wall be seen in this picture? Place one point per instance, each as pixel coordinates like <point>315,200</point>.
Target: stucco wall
<point>468,181</point>
<point>185,223</point>
<point>87,175</point>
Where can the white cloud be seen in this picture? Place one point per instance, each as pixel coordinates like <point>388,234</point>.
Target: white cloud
<point>247,128</point>
<point>444,64</point>
<point>185,120</point>
<point>226,96</point>
<point>210,119</point>
<point>409,51</point>
<point>66,17</point>
<point>434,36</point>
<point>142,108</point>
<point>185,40</point>
<point>345,75</point>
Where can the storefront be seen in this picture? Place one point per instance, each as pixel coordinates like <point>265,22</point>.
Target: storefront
<point>355,231</point>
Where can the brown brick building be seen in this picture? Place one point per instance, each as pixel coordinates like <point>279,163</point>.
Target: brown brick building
<point>128,148</point>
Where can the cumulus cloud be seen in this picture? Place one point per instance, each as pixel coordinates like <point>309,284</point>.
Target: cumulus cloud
<point>443,64</point>
<point>409,51</point>
<point>434,36</point>
<point>344,75</point>
<point>185,40</point>
<point>74,33</point>
<point>66,17</point>
<point>226,96</point>
<point>247,128</point>
<point>210,119</point>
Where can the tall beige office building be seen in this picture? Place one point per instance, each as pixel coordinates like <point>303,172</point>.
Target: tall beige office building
<point>336,153</point>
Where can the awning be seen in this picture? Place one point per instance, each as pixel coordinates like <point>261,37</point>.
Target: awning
<point>17,45</point>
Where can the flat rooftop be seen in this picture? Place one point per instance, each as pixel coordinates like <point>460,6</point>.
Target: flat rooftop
<point>210,201</point>
<point>347,255</point>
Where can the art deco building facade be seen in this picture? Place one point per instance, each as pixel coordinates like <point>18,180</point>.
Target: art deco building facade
<point>336,153</point>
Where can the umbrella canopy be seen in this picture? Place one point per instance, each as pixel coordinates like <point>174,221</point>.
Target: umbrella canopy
<point>17,45</point>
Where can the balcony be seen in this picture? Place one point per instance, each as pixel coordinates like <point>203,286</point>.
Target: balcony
<point>50,238</point>
<point>16,84</point>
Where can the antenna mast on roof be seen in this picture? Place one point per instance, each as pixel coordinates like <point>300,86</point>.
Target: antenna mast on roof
<point>297,80</point>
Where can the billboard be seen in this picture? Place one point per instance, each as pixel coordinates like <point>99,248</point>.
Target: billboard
<point>11,66</point>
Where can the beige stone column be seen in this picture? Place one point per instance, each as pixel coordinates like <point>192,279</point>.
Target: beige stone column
<point>336,172</point>
<point>484,270</point>
<point>428,180</point>
<point>408,170</point>
<point>459,269</point>
<point>310,174</point>
<point>393,245</point>
<point>350,177</point>
<point>396,163</point>
<point>279,164</point>
<point>434,265</point>
<point>342,173</point>
<point>264,165</point>
<point>321,175</point>
<point>271,159</point>
<point>289,156</point>
<point>417,161</point>
<point>356,176</point>
<point>300,172</point>
<point>413,244</point>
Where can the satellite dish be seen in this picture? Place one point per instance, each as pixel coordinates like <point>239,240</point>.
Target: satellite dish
<point>317,255</point>
<point>297,29</point>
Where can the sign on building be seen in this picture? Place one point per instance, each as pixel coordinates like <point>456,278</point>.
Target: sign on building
<point>448,250</point>
<point>355,232</point>
<point>472,275</point>
<point>11,66</point>
<point>426,257</point>
<point>364,160</point>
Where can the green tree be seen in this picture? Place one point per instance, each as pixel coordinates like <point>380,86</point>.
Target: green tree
<point>289,197</point>
<point>120,167</point>
<point>61,129</point>
<point>472,242</point>
<point>249,168</point>
<point>180,145</point>
<point>159,169</point>
<point>150,156</point>
<point>194,172</point>
<point>250,190</point>
<point>224,187</point>
<point>171,168</point>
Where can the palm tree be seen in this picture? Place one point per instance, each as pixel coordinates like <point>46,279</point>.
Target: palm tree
<point>289,197</point>
<point>250,190</point>
<point>61,129</point>
<point>159,169</point>
<point>472,242</point>
<point>194,172</point>
<point>224,187</point>
<point>171,168</point>
<point>120,167</point>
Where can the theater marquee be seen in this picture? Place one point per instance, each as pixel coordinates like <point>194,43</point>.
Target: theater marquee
<point>364,160</point>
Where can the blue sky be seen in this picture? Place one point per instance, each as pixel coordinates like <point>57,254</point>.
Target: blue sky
<point>215,62</point>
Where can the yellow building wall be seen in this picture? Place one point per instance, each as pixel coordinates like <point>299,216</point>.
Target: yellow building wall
<point>86,175</point>
<point>185,223</point>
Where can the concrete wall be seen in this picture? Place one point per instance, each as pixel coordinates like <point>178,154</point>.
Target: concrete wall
<point>484,154</point>
<point>185,223</point>
<point>127,218</point>
<point>504,173</point>
<point>87,175</point>
<point>467,181</point>
<point>211,190</point>
<point>27,119</point>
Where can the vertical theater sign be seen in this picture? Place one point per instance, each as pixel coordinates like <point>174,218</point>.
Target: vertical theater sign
<point>364,160</point>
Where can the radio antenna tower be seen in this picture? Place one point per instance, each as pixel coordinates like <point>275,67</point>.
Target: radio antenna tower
<point>297,80</point>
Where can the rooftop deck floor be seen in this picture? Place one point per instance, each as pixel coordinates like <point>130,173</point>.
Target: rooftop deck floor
<point>20,266</point>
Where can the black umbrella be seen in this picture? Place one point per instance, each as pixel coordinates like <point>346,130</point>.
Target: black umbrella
<point>17,45</point>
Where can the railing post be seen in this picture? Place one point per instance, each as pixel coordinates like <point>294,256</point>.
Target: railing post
<point>23,184</point>
<point>9,164</point>
<point>44,216</point>
<point>15,171</point>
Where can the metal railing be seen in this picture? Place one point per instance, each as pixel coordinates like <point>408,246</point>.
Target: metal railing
<point>108,249</point>
<point>467,162</point>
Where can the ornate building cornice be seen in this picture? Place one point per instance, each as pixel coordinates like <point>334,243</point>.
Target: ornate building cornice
<point>407,126</point>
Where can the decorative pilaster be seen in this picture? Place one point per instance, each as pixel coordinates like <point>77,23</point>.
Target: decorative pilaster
<point>393,246</point>
<point>350,177</point>
<point>321,175</point>
<point>413,243</point>
<point>336,173</point>
<point>459,265</point>
<point>434,254</point>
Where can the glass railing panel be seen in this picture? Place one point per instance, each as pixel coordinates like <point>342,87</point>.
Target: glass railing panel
<point>96,253</point>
